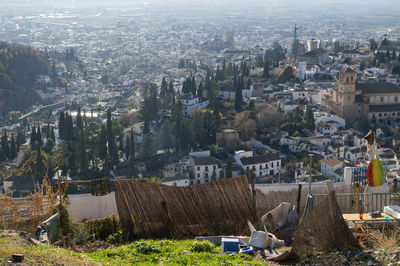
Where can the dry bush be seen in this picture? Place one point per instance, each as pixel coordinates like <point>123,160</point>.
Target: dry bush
<point>26,213</point>
<point>376,239</point>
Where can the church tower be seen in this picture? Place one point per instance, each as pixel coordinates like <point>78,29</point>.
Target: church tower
<point>346,95</point>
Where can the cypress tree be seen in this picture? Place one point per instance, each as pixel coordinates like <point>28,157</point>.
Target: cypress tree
<point>13,148</point>
<point>193,86</point>
<point>4,146</point>
<point>238,96</point>
<point>39,137</point>
<point>127,147</point>
<point>52,135</point>
<point>102,144</point>
<point>82,152</point>
<point>18,140</point>
<point>79,121</point>
<point>39,167</point>
<point>200,89</point>
<point>132,145</point>
<point>171,88</point>
<point>112,151</point>
<point>266,69</point>
<point>33,137</point>
<point>61,125</point>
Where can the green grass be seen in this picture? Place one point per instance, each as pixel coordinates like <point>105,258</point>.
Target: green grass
<point>170,252</point>
<point>143,252</point>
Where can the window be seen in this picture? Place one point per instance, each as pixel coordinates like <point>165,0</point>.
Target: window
<point>351,78</point>
<point>277,164</point>
<point>206,169</point>
<point>198,175</point>
<point>206,175</point>
<point>198,168</point>
<point>382,99</point>
<point>385,114</point>
<point>254,168</point>
<point>347,79</point>
<point>214,167</point>
<point>260,173</point>
<point>396,99</point>
<point>260,166</point>
<point>272,164</point>
<point>272,172</point>
<point>247,168</point>
<point>380,115</point>
<point>266,166</point>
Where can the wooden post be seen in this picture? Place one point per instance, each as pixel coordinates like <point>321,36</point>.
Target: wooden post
<point>253,192</point>
<point>299,199</point>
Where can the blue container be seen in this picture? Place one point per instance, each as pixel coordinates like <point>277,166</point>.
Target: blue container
<point>230,245</point>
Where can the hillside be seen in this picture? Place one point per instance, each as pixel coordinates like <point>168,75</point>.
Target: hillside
<point>20,67</point>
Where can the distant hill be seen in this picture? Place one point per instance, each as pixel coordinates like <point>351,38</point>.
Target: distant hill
<point>20,67</point>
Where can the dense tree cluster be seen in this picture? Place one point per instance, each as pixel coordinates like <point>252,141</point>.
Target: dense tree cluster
<point>20,67</point>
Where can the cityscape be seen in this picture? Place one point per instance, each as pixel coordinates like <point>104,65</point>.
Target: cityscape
<point>99,99</point>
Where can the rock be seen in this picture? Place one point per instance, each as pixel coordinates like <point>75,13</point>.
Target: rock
<point>394,258</point>
<point>371,262</point>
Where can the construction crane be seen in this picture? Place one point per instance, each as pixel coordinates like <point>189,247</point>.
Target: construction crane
<point>294,50</point>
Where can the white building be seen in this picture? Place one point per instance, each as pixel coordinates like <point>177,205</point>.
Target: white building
<point>203,168</point>
<point>106,95</point>
<point>261,165</point>
<point>329,166</point>
<point>328,129</point>
<point>189,103</point>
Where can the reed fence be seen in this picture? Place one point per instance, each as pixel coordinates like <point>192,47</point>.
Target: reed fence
<point>217,207</point>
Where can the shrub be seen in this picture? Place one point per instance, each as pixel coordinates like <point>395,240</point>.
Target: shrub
<point>80,235</point>
<point>117,238</point>
<point>202,246</point>
<point>146,247</point>
<point>103,228</point>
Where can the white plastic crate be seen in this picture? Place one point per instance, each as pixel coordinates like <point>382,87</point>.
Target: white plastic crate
<point>392,211</point>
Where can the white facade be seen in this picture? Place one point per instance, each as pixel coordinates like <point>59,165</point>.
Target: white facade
<point>329,166</point>
<point>202,169</point>
<point>106,95</point>
<point>261,165</point>
<point>190,103</point>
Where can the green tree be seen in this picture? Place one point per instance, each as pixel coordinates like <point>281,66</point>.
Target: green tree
<point>83,158</point>
<point>13,148</point>
<point>4,146</point>
<point>61,125</point>
<point>132,145</point>
<point>112,149</point>
<point>102,144</point>
<point>372,44</point>
<point>127,147</point>
<point>79,121</point>
<point>167,135</point>
<point>266,69</point>
<point>238,96</point>
<point>200,89</point>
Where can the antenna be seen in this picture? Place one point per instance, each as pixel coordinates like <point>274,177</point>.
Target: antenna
<point>295,41</point>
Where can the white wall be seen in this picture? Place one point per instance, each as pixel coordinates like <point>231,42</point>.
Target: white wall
<point>87,206</point>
